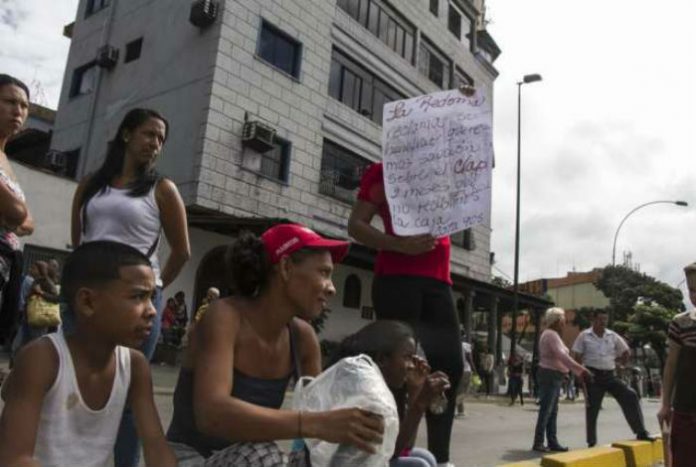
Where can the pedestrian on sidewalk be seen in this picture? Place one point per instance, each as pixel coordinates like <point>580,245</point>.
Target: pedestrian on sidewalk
<point>678,412</point>
<point>554,364</point>
<point>467,375</point>
<point>600,349</point>
<point>515,372</point>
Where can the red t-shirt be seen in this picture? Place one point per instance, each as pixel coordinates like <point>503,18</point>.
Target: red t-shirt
<point>434,264</point>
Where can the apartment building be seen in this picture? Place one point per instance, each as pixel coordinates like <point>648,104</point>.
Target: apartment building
<point>275,110</point>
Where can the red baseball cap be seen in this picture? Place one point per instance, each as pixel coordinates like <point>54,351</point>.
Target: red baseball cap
<point>285,239</point>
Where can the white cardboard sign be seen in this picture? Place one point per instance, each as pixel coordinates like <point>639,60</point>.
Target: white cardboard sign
<point>437,151</point>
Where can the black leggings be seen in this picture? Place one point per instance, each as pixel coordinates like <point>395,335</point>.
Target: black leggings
<point>427,305</point>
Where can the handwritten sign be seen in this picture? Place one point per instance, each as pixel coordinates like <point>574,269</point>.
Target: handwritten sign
<point>437,152</point>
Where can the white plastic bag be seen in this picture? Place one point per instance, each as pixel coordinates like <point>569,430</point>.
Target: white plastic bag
<point>352,382</point>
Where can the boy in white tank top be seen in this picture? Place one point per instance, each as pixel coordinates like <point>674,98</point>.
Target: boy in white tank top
<point>65,396</point>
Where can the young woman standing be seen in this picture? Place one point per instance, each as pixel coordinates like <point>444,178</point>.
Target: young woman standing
<point>127,201</point>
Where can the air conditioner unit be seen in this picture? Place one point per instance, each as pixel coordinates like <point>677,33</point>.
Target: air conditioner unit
<point>55,159</point>
<point>258,136</point>
<point>203,13</point>
<point>107,56</point>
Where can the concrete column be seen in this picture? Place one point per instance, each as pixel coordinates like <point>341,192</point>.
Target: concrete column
<point>493,328</point>
<point>469,314</point>
<point>499,338</point>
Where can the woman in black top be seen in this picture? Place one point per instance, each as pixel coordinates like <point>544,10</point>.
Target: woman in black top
<point>245,348</point>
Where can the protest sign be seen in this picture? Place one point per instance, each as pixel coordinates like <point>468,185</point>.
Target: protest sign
<point>437,152</point>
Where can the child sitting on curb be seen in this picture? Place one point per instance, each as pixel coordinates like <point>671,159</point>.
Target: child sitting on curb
<point>392,346</point>
<point>65,397</point>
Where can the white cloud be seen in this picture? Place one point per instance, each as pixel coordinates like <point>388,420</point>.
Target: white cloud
<point>33,47</point>
<point>609,127</point>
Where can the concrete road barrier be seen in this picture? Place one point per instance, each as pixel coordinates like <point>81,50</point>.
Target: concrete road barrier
<point>593,457</point>
<point>532,463</point>
<point>638,453</point>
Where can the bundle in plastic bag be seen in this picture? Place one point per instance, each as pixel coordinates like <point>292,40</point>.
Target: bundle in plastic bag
<point>354,382</point>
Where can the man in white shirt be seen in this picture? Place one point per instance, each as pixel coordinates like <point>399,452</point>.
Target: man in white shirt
<point>599,348</point>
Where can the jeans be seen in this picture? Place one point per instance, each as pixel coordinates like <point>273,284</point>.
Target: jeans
<point>549,387</point>
<point>426,304</point>
<point>418,457</point>
<point>127,448</point>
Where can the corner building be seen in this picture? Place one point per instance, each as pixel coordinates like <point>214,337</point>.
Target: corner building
<point>315,73</point>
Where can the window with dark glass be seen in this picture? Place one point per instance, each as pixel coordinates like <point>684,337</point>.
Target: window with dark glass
<point>275,163</point>
<point>84,79</point>
<point>94,6</point>
<point>72,158</point>
<point>385,23</point>
<point>458,23</point>
<point>464,239</point>
<point>358,88</point>
<point>460,77</point>
<point>133,49</point>
<point>279,49</point>
<point>454,21</point>
<point>341,171</point>
<point>351,292</point>
<point>434,7</point>
<point>434,64</point>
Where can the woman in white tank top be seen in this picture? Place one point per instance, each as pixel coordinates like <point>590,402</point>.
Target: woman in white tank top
<point>127,201</point>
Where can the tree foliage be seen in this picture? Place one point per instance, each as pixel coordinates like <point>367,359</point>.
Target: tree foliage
<point>500,281</point>
<point>583,317</point>
<point>641,307</point>
<point>624,287</point>
<point>648,325</point>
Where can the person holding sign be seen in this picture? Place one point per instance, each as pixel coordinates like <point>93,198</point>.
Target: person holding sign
<point>412,283</point>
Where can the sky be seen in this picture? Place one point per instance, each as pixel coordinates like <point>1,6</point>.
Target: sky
<point>609,127</point>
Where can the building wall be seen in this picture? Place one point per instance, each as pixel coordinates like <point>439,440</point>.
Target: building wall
<point>343,321</point>
<point>578,296</point>
<point>303,113</point>
<point>207,81</point>
<point>173,75</point>
<point>49,198</point>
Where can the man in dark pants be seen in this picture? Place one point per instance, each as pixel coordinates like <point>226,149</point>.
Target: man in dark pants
<point>599,348</point>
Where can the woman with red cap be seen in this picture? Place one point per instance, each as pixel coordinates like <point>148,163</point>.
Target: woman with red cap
<point>246,348</point>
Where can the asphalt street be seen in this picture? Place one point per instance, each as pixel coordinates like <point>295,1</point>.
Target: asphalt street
<point>491,433</point>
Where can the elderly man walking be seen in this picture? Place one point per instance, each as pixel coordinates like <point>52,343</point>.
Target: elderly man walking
<point>599,348</point>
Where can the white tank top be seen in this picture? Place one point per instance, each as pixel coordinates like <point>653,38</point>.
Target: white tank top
<point>70,433</point>
<point>135,221</point>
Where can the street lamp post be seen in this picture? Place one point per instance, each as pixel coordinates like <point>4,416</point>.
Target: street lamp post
<point>616,235</point>
<point>515,300</point>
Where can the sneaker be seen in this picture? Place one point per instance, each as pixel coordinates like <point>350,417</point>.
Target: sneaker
<point>540,448</point>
